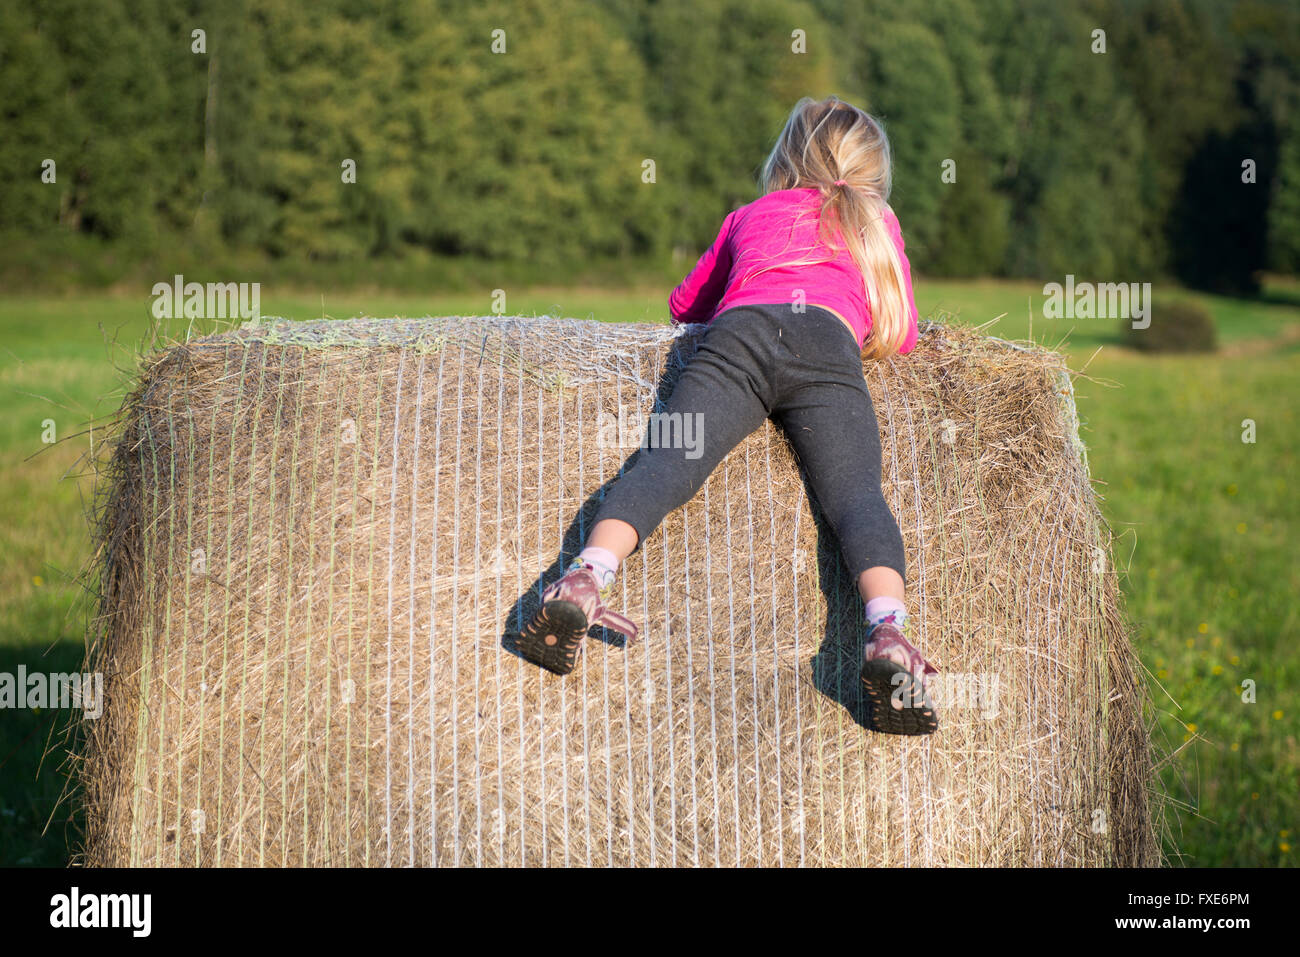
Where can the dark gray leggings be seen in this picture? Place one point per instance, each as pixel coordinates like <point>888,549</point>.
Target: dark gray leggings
<point>804,369</point>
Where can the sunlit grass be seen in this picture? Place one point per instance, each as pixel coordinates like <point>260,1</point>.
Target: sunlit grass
<point>1205,523</point>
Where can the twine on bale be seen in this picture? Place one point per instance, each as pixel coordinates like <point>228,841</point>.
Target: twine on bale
<point>319,539</point>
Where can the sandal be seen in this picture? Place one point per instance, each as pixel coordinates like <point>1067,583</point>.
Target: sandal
<point>899,701</point>
<point>570,606</point>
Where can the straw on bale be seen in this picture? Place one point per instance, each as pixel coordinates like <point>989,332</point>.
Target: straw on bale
<point>319,539</point>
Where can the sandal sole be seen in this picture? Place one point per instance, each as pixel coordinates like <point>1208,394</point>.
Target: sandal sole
<point>567,625</point>
<point>880,679</point>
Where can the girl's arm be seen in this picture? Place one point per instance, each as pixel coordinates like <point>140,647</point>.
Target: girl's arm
<point>896,232</point>
<point>698,295</point>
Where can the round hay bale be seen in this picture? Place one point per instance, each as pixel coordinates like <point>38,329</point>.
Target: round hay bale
<point>320,539</point>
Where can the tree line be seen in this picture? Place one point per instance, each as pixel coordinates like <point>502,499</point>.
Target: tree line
<point>1113,138</point>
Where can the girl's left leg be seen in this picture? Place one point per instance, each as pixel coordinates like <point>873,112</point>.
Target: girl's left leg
<point>615,536</point>
<point>718,400</point>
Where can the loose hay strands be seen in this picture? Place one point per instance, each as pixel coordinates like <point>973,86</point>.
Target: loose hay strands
<point>320,539</point>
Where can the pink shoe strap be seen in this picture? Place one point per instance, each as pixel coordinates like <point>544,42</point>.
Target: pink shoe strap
<point>616,622</point>
<point>602,615</point>
<point>892,639</point>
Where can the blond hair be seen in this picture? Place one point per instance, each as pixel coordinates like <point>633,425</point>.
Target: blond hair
<point>843,151</point>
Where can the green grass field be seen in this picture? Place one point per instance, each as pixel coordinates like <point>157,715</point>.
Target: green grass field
<point>1204,525</point>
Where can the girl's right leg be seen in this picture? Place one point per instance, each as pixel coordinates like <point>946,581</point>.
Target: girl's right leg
<point>825,409</point>
<point>834,431</point>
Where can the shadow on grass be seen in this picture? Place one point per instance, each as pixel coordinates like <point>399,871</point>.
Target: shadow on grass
<point>1279,296</point>
<point>39,823</point>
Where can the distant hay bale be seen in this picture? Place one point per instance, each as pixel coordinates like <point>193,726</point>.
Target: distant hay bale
<point>319,539</point>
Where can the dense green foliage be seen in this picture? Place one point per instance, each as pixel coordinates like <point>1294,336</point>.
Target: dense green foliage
<point>530,144</point>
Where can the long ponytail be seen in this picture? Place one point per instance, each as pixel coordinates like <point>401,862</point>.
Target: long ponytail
<point>844,152</point>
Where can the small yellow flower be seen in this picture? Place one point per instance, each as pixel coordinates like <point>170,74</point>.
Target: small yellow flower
<point>1235,746</point>
<point>1217,670</point>
<point>1255,796</point>
<point>1202,627</point>
<point>1162,673</point>
<point>1191,642</point>
<point>1192,727</point>
<point>1151,573</point>
<point>38,581</point>
<point>1234,660</point>
<point>1277,715</point>
<point>1241,528</point>
<point>1284,847</point>
<point>1232,490</point>
<point>1186,738</point>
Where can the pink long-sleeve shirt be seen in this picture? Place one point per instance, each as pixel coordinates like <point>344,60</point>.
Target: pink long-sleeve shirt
<point>777,228</point>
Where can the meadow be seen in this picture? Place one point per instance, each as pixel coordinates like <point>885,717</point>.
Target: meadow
<point>1203,523</point>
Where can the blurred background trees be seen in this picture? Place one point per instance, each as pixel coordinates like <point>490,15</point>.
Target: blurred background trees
<point>1123,164</point>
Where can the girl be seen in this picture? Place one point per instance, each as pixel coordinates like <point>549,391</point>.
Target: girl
<point>822,234</point>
